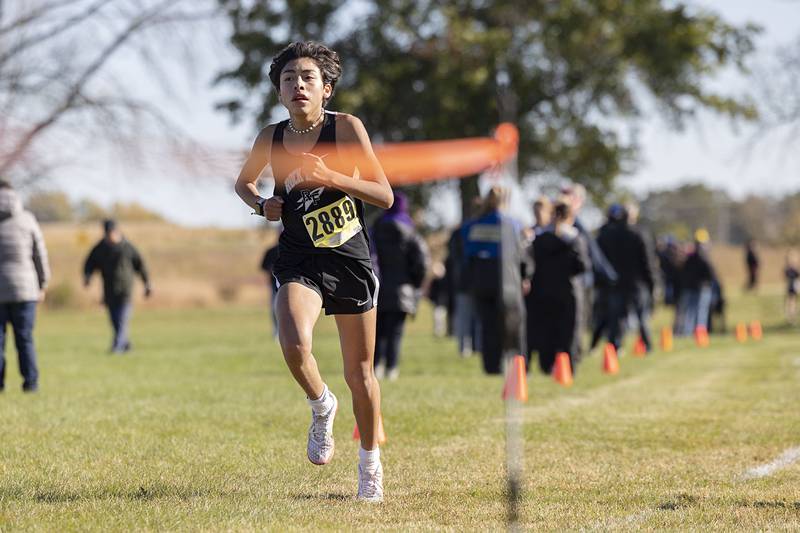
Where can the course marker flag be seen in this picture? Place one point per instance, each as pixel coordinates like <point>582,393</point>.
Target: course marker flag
<point>406,163</point>
<point>666,339</point>
<point>755,330</point>
<point>562,370</point>
<point>741,332</point>
<point>610,359</point>
<point>516,385</point>
<point>701,336</point>
<point>381,433</point>
<point>639,348</point>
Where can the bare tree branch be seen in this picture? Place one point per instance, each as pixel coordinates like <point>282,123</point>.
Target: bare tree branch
<point>47,84</point>
<point>53,33</point>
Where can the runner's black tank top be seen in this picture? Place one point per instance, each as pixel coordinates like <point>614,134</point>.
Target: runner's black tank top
<point>317,219</point>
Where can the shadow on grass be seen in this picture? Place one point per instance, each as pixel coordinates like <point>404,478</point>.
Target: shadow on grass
<point>781,328</point>
<point>681,501</point>
<point>331,496</point>
<point>774,504</point>
<point>141,493</point>
<point>684,501</point>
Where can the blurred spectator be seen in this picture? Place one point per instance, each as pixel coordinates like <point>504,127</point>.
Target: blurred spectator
<point>438,295</point>
<point>628,253</point>
<point>24,273</point>
<point>647,274</point>
<point>466,325</point>
<point>792,274</point>
<point>697,279</point>
<point>601,272</point>
<point>118,261</point>
<point>496,269</point>
<point>752,262</point>
<point>267,266</point>
<point>670,264</point>
<point>716,312</point>
<point>542,214</point>
<point>402,262</point>
<point>556,295</point>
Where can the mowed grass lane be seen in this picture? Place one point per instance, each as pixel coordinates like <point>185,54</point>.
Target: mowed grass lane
<point>202,428</point>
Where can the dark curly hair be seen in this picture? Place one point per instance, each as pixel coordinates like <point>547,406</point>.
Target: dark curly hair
<point>326,59</point>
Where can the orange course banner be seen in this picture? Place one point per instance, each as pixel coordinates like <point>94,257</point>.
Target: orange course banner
<point>408,163</point>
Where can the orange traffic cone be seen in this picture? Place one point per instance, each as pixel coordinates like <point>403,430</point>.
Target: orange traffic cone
<point>666,339</point>
<point>755,330</point>
<point>562,371</point>
<point>639,348</point>
<point>610,360</point>
<point>701,336</point>
<point>381,433</point>
<point>741,332</point>
<point>516,385</point>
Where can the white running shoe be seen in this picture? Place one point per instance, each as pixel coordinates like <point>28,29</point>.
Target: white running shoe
<point>370,484</point>
<point>320,435</point>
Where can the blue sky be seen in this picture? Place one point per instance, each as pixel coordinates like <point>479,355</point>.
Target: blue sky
<point>708,150</point>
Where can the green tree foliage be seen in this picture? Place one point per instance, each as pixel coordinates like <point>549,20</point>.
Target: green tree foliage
<point>571,74</point>
<point>681,211</point>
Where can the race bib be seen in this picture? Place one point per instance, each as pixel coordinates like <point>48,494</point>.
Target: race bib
<point>333,225</point>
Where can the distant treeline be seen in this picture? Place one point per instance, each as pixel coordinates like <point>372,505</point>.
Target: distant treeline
<point>768,219</point>
<point>55,206</point>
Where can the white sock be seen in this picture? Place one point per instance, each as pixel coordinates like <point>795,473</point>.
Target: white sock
<point>369,459</point>
<point>323,404</point>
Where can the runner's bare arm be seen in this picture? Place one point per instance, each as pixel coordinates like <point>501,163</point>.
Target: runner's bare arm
<point>372,187</point>
<point>256,162</point>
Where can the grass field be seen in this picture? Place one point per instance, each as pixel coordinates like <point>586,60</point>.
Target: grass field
<point>201,428</point>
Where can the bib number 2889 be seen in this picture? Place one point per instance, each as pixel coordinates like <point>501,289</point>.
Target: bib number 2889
<point>332,225</point>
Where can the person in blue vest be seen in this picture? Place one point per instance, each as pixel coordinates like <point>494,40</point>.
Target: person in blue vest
<point>498,273</point>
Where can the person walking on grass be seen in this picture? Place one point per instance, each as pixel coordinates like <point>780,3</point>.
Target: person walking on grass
<point>401,258</point>
<point>792,275</point>
<point>752,262</point>
<point>118,261</point>
<point>697,287</point>
<point>24,273</point>
<point>324,257</point>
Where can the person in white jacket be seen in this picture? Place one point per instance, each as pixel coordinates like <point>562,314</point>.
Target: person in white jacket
<point>24,272</point>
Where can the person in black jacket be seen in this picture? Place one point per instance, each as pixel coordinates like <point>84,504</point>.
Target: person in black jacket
<point>628,254</point>
<point>752,263</point>
<point>792,274</point>
<point>117,260</point>
<point>402,261</point>
<point>554,304</point>
<point>644,296</point>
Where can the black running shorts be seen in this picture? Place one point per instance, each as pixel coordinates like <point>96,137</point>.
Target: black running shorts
<point>347,286</point>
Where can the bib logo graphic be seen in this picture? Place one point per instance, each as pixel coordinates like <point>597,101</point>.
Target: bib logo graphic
<point>309,198</point>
